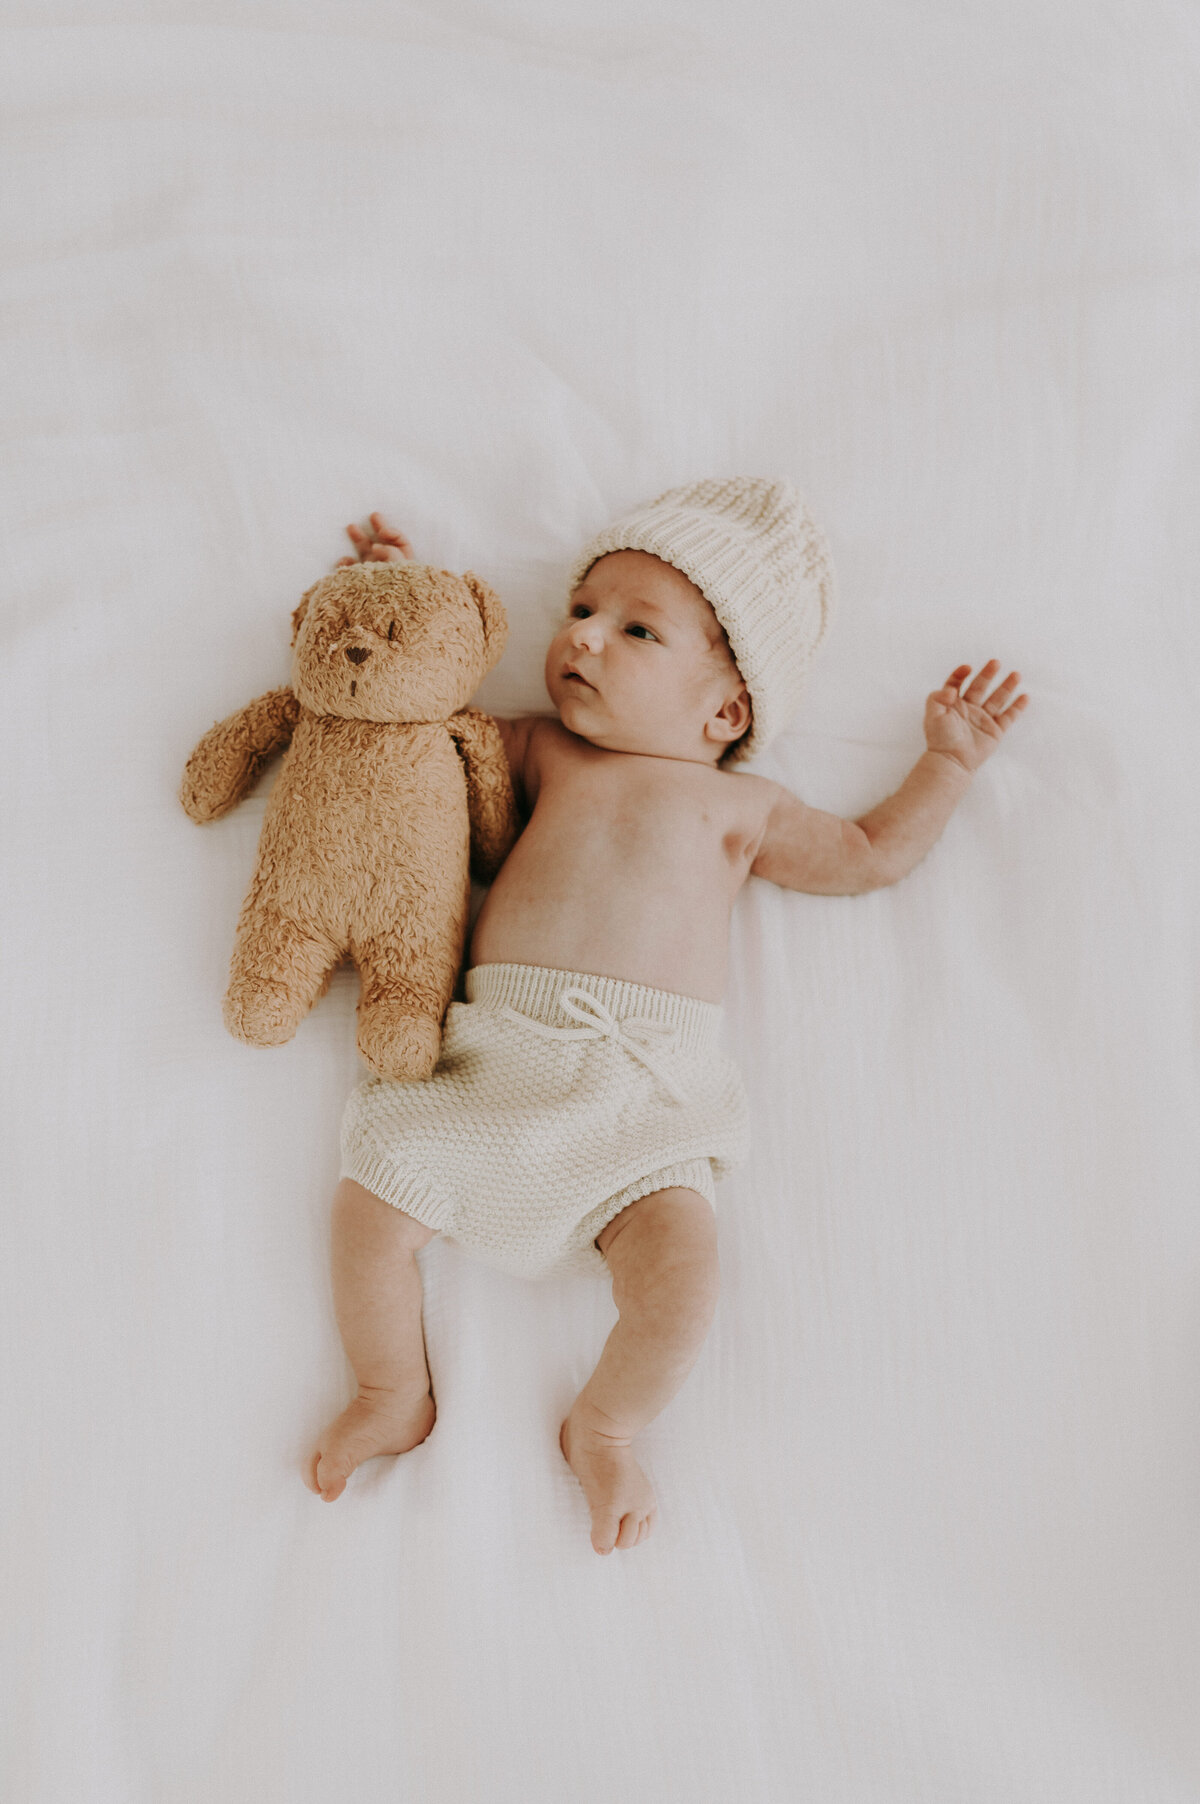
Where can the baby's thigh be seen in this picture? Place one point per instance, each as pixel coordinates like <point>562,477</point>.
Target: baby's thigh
<point>663,1227</point>
<point>359,1214</point>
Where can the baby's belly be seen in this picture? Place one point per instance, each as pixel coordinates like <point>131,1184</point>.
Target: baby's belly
<point>672,937</point>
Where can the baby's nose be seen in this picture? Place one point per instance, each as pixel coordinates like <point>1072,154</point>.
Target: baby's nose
<point>588,634</point>
<point>357,654</point>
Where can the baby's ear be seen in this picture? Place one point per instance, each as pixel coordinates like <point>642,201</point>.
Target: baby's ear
<point>491,612</point>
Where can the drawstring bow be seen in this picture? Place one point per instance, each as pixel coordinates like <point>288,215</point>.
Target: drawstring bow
<point>639,1036</point>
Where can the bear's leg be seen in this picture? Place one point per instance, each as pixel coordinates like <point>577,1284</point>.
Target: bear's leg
<point>278,971</point>
<point>403,1002</point>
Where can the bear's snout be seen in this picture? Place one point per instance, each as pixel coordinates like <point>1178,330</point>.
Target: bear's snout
<point>357,654</point>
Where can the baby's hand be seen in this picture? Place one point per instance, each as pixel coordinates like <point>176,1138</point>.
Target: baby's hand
<point>384,545</point>
<point>964,726</point>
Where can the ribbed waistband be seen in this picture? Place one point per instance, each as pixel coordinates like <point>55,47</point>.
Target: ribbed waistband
<point>534,990</point>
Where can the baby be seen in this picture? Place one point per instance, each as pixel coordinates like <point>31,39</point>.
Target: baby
<point>581,1106</point>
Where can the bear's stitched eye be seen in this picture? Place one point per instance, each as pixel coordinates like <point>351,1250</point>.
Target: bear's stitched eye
<point>392,630</point>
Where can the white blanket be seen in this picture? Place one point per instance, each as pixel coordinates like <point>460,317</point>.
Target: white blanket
<point>929,1502</point>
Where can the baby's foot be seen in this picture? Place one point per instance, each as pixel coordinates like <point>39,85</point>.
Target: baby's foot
<point>377,1421</point>
<point>619,1495</point>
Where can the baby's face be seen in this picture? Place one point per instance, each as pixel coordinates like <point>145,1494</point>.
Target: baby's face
<point>641,664</point>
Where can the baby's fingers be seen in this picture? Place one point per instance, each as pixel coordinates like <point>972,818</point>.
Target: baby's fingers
<point>975,691</point>
<point>1005,717</point>
<point>997,702</point>
<point>390,535</point>
<point>1000,704</point>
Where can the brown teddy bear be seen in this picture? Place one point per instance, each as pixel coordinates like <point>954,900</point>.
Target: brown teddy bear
<point>387,785</point>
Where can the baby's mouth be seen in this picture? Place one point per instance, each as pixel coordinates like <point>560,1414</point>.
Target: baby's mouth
<point>573,676</point>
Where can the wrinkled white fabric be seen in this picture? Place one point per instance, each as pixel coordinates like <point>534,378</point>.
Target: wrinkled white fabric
<point>928,1520</point>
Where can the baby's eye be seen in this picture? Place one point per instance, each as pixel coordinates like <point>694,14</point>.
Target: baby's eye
<point>580,611</point>
<point>642,632</point>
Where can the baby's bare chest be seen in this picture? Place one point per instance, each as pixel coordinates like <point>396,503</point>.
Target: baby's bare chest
<point>647,816</point>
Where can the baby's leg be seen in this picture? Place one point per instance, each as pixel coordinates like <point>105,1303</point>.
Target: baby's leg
<point>377,1297</point>
<point>663,1254</point>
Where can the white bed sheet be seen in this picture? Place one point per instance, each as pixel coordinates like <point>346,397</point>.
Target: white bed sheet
<point>930,1500</point>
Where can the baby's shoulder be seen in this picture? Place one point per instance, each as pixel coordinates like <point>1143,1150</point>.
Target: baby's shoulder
<point>531,743</point>
<point>547,741</point>
<point>747,796</point>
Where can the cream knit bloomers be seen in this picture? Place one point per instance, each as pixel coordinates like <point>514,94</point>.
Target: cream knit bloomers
<point>559,1098</point>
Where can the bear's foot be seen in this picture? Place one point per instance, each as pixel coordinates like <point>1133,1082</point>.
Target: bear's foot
<point>396,1043</point>
<point>262,1012</point>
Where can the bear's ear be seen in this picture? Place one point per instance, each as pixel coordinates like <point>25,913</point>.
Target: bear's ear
<point>298,615</point>
<point>491,612</point>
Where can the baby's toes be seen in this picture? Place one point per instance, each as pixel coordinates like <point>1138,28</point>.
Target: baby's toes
<point>604,1531</point>
<point>628,1535</point>
<point>331,1476</point>
<point>328,1469</point>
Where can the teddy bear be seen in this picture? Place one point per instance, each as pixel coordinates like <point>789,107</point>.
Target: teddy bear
<point>390,792</point>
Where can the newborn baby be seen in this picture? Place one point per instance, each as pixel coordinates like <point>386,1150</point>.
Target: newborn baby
<point>582,1105</point>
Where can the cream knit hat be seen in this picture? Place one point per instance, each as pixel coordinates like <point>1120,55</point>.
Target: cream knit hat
<point>754,551</point>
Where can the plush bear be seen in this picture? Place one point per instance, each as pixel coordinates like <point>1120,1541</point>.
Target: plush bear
<point>388,783</point>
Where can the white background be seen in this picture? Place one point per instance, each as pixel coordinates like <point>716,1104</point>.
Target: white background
<point>930,1502</point>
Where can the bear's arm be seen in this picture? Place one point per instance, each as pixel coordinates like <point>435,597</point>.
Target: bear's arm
<point>490,799</point>
<point>231,755</point>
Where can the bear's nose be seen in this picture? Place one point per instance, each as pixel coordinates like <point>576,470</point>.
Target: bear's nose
<point>357,654</point>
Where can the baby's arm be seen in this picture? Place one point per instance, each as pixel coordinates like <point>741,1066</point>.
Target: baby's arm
<point>804,849</point>
<point>517,736</point>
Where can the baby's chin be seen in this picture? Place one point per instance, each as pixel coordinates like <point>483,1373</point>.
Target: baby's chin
<point>585,724</point>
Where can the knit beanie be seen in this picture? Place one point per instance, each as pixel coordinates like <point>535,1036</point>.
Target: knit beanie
<point>761,562</point>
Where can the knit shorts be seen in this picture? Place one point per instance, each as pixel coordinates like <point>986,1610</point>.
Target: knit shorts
<point>559,1098</point>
